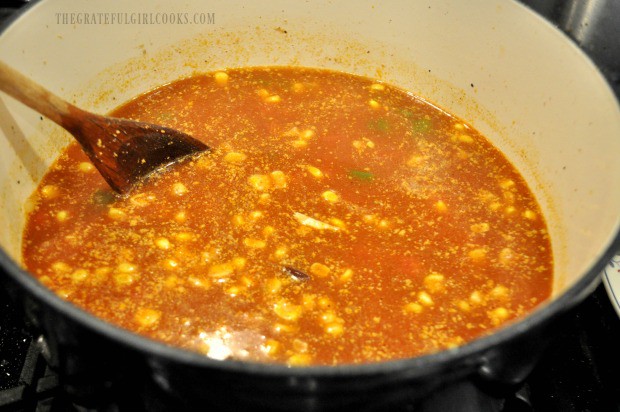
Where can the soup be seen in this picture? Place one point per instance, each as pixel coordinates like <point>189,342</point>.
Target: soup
<point>337,220</point>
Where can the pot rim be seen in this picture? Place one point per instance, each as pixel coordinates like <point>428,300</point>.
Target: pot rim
<point>416,366</point>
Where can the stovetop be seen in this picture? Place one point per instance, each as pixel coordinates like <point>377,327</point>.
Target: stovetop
<point>579,372</point>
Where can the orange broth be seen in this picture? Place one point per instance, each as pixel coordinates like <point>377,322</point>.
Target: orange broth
<point>337,220</point>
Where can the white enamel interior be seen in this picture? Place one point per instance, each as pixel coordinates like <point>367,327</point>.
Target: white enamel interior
<point>491,62</point>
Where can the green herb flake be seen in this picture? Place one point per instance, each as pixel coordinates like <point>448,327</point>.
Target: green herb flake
<point>421,125</point>
<point>380,125</point>
<point>407,113</point>
<point>361,175</point>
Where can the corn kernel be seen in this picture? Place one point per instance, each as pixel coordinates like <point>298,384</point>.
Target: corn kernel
<point>314,171</point>
<point>271,347</point>
<point>239,262</point>
<point>377,86</point>
<point>221,270</point>
<point>280,253</point>
<point>260,182</point>
<point>233,291</point>
<point>184,236</point>
<point>299,144</point>
<point>507,184</point>
<point>278,178</point>
<point>268,231</point>
<point>308,301</point>
<point>334,329</point>
<point>273,99</point>
<point>116,213</point>
<point>374,104</point>
<point>179,189</point>
<point>299,359</point>
<point>273,285</point>
<point>208,255</point>
<point>221,77</point>
<point>238,220</point>
<point>325,302</point>
<point>346,276</point>
<point>498,315</point>
<point>86,167</point>
<point>124,279</point>
<point>463,305</point>
<point>63,293</point>
<point>369,218</point>
<point>477,254</point>
<point>441,206</point>
<point>235,157</point>
<point>254,243</point>
<point>163,243</point>
<point>499,292</point>
<point>287,311</point>
<point>494,206</point>
<point>330,196</point>
<point>337,222</point>
<point>79,275</point>
<point>180,217</point>
<point>170,263</point>
<point>475,297</point>
<point>171,281</point>
<point>264,198</point>
<point>319,269</point>
<point>62,216</point>
<point>255,215</point>
<point>285,328</point>
<point>246,281</point>
<point>300,346</point>
<point>307,134</point>
<point>147,317</point>
<point>329,317</point>
<point>413,307</point>
<point>425,299</point>
<point>126,267</point>
<point>50,191</point>
<point>434,282</point>
<point>60,267</point>
<point>528,214</point>
<point>465,138</point>
<point>198,282</point>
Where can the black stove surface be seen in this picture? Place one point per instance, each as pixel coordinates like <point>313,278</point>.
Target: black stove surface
<point>579,372</point>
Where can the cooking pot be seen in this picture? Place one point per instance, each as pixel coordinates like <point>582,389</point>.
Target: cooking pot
<point>493,63</point>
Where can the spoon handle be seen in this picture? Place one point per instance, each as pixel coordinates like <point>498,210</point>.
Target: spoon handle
<point>33,95</point>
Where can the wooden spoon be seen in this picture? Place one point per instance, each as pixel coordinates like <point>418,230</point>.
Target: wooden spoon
<point>124,151</point>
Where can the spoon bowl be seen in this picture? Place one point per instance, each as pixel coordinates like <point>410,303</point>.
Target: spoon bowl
<point>123,151</point>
